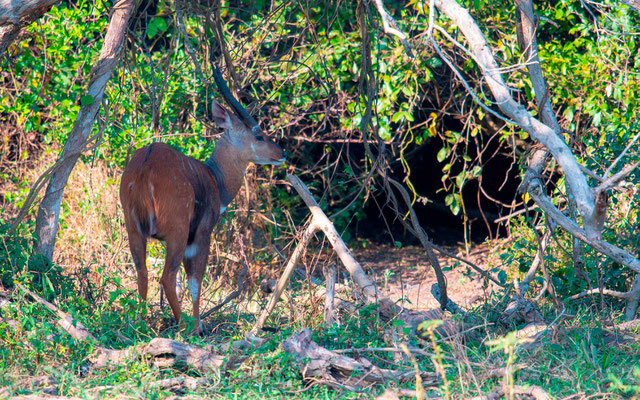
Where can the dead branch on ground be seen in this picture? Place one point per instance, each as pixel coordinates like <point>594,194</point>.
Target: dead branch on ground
<point>536,392</point>
<point>202,359</point>
<point>66,322</point>
<point>338,371</point>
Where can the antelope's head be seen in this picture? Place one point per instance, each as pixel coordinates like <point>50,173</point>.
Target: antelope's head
<point>251,144</point>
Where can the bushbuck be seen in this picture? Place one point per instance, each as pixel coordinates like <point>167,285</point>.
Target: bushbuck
<point>177,199</point>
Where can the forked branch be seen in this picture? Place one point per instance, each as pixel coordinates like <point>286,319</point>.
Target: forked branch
<point>389,25</point>
<point>502,94</point>
<point>319,221</point>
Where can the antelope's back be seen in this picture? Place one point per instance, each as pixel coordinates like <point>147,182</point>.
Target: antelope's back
<point>163,193</point>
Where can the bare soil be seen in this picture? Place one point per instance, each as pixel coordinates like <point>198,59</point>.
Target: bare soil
<point>405,274</point>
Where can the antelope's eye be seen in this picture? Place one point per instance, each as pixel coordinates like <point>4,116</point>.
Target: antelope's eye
<point>259,138</point>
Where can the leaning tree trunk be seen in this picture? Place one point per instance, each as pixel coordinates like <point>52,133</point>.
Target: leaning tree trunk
<point>590,202</point>
<point>49,211</point>
<point>15,15</point>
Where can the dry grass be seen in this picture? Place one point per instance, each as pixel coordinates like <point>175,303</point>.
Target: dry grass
<point>91,236</point>
<point>92,240</point>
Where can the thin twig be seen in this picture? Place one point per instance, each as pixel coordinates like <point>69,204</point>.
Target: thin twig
<point>469,263</point>
<point>617,177</point>
<point>613,164</point>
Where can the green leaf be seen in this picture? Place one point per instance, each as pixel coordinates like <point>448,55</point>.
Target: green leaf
<point>460,179</point>
<point>455,209</point>
<point>448,200</point>
<point>502,277</point>
<point>86,100</point>
<point>434,62</point>
<point>156,25</point>
<point>442,154</point>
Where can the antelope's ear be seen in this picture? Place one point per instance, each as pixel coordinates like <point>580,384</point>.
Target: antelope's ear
<point>220,115</point>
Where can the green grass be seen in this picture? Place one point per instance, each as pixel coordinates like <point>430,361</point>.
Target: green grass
<point>577,359</point>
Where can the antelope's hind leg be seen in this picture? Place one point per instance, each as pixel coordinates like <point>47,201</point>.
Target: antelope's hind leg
<point>195,265</point>
<point>138,246</point>
<point>175,252</point>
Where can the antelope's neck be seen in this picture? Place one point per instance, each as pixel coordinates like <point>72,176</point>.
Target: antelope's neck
<point>230,168</point>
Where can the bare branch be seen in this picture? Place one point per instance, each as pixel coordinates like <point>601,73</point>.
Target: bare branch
<point>16,15</point>
<point>543,133</point>
<point>632,297</point>
<point>390,27</point>
<point>620,255</point>
<point>635,4</point>
<point>49,211</point>
<point>235,293</point>
<point>284,278</point>
<point>617,177</point>
<point>66,322</point>
<point>469,263</point>
<point>329,272</point>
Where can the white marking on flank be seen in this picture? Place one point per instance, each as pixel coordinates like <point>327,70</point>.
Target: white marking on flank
<point>193,286</point>
<point>191,251</point>
<point>222,209</point>
<point>178,286</point>
<point>133,216</point>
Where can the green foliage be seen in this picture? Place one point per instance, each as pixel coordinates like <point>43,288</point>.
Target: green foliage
<point>48,70</point>
<point>302,64</point>
<point>32,343</point>
<point>18,264</point>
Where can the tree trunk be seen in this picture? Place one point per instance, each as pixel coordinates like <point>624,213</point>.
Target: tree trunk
<point>15,15</point>
<point>49,211</point>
